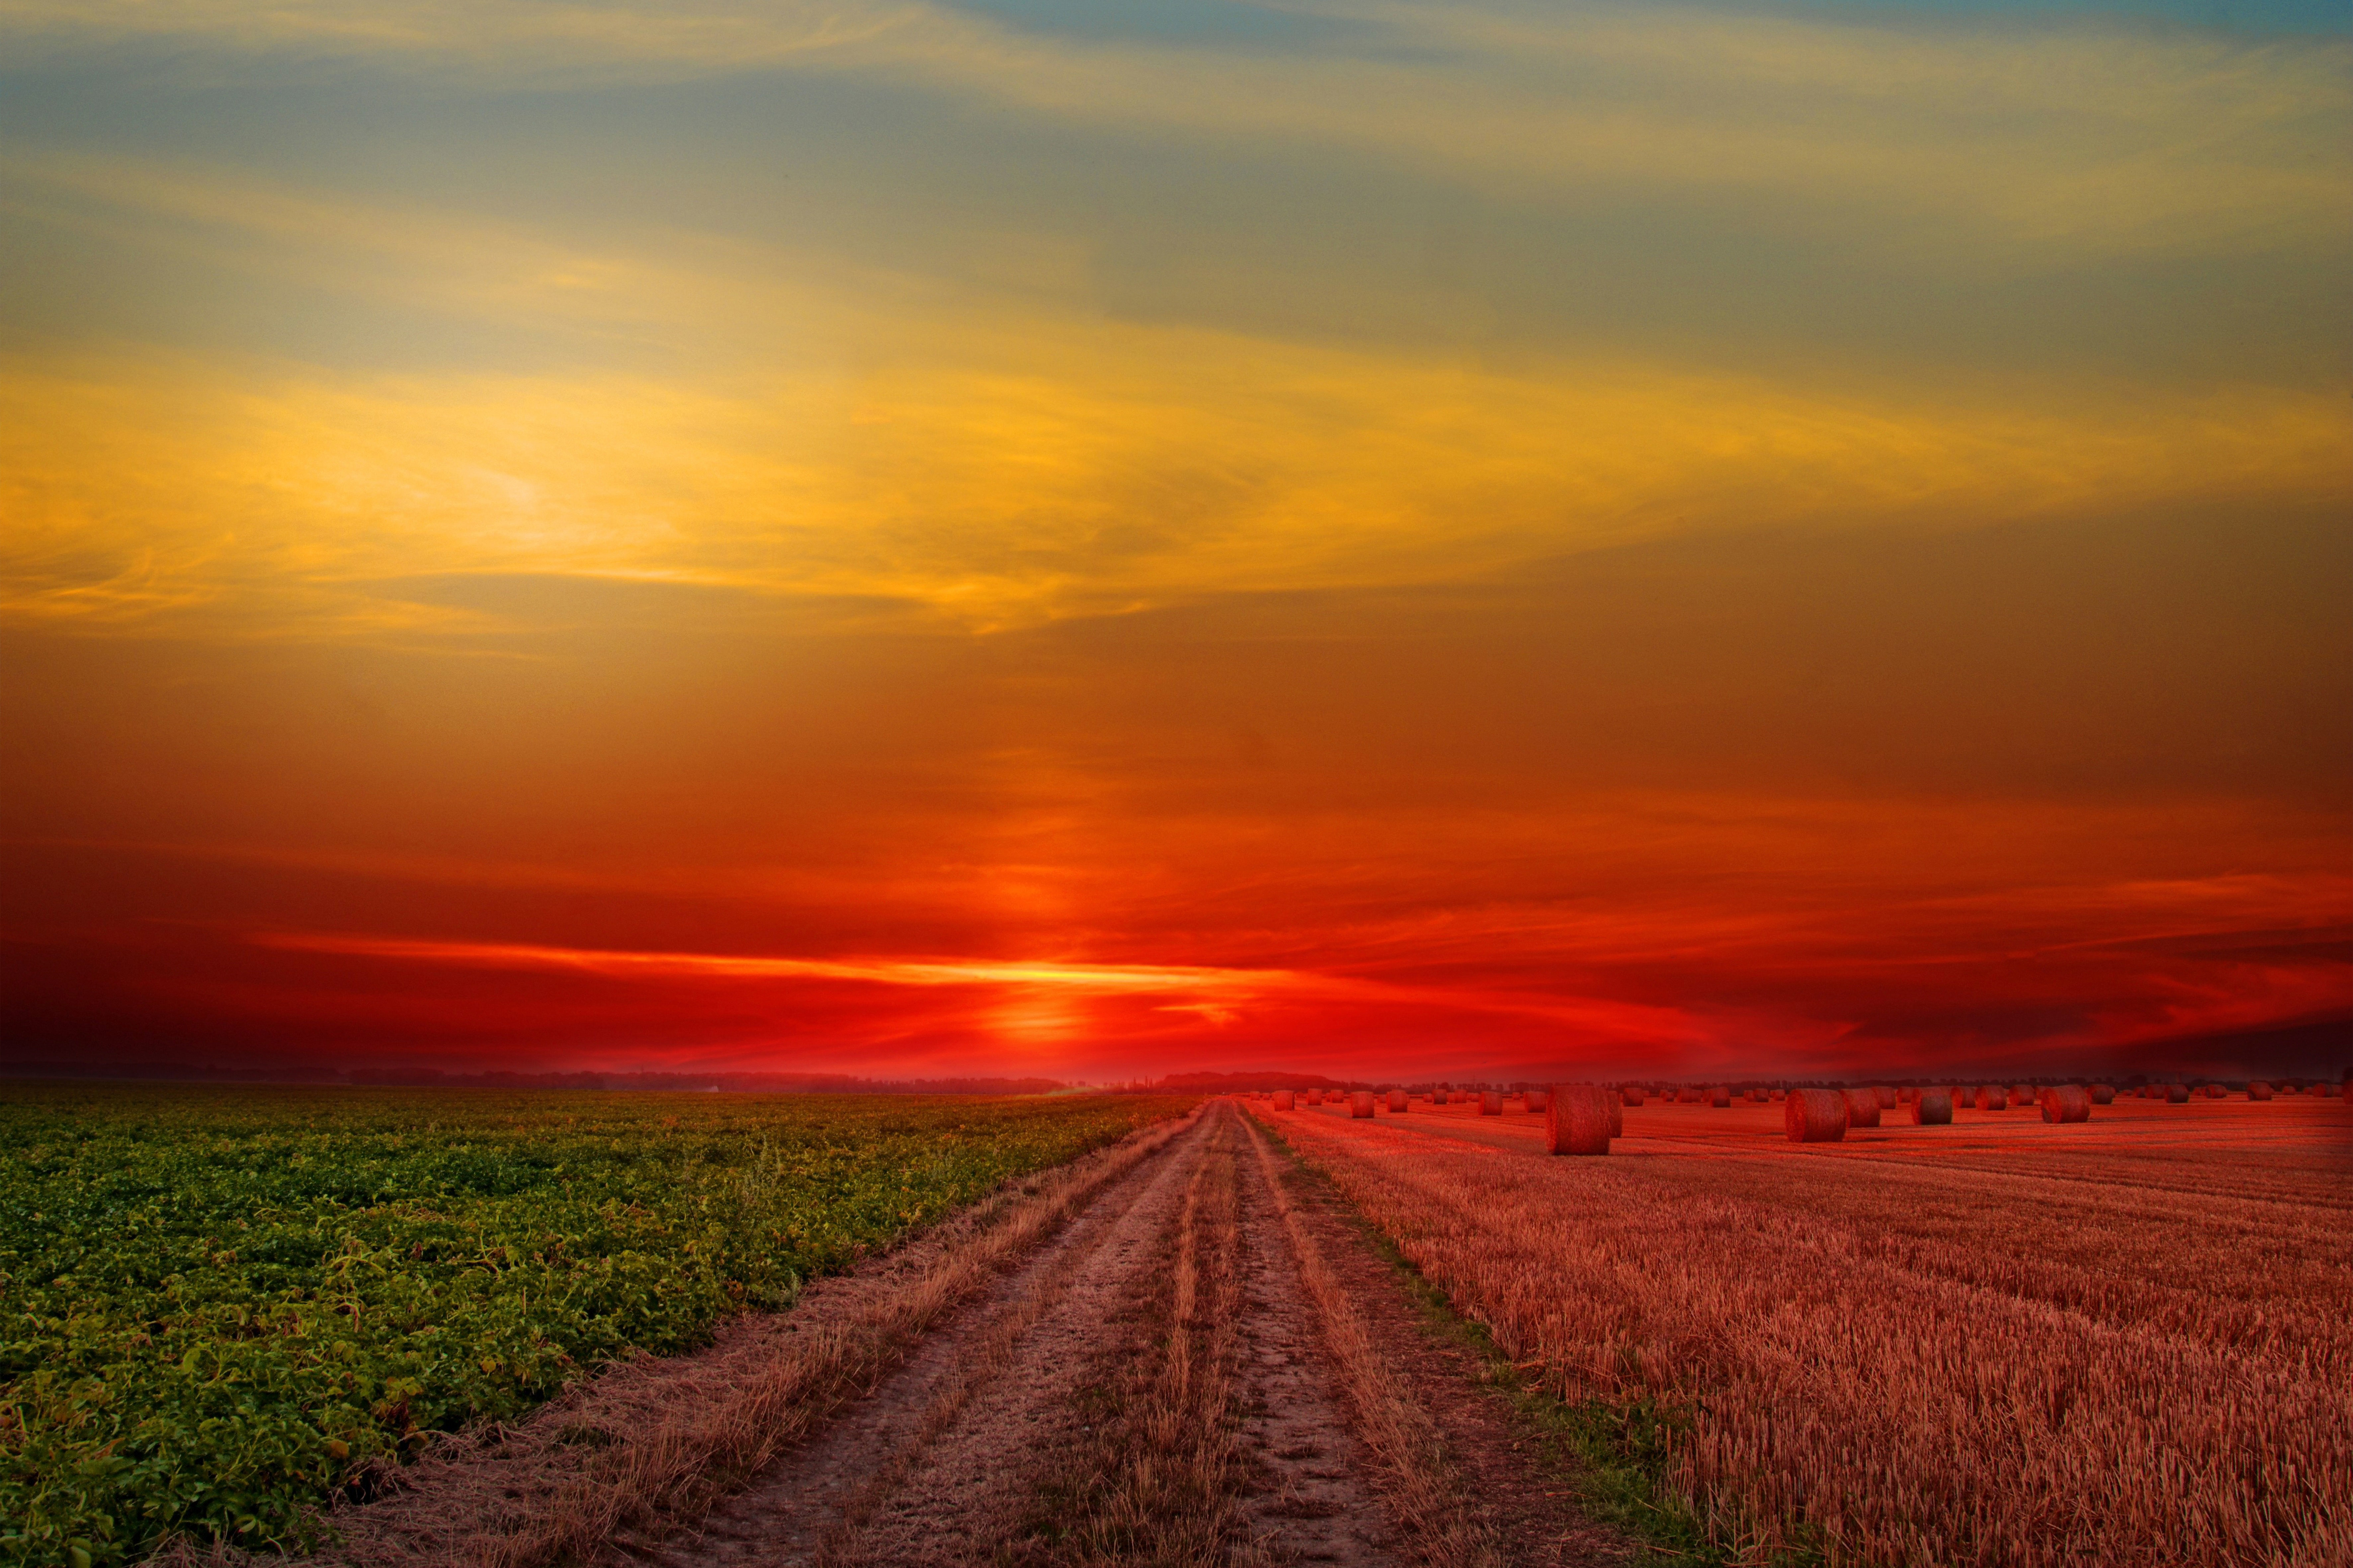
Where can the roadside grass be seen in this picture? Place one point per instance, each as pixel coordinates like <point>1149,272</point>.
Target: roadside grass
<point>1613,1457</point>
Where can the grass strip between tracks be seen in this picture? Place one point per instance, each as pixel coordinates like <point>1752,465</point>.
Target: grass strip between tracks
<point>1613,1456</point>
<point>1423,1487</point>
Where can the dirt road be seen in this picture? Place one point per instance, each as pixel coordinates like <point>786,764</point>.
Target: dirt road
<point>1197,1359</point>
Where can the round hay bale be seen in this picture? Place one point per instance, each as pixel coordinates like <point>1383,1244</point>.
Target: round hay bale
<point>1283,1099</point>
<point>1990,1099</point>
<point>1814,1115</point>
<point>1576,1119</point>
<point>1687,1095</point>
<point>2177,1094</point>
<point>1779,1095</point>
<point>2259,1092</point>
<point>1491,1102</point>
<point>1719,1098</point>
<point>2217,1092</point>
<point>2021,1096</point>
<point>1886,1098</point>
<point>1932,1108</point>
<point>1360,1105</point>
<point>1537,1099</point>
<point>1861,1107</point>
<point>2103,1095</point>
<point>1617,1114</point>
<point>2066,1102</point>
<point>1398,1101</point>
<point>1629,1095</point>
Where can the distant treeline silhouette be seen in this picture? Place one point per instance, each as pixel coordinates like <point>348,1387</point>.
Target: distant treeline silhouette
<point>434,1077</point>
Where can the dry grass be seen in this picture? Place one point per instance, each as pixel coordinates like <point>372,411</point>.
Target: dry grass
<point>1159,1483</point>
<point>1421,1484</point>
<point>1881,1356</point>
<point>659,1439</point>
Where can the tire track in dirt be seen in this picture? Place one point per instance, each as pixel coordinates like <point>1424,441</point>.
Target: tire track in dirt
<point>812,1502</point>
<point>1187,1354</point>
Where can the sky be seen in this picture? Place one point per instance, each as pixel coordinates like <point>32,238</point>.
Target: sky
<point>1111,538</point>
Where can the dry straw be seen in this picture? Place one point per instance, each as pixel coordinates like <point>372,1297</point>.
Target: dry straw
<point>1536,1099</point>
<point>2259,1092</point>
<point>1886,1096</point>
<point>1360,1104</point>
<point>1491,1102</point>
<point>1719,1097</point>
<point>1934,1108</point>
<point>1861,1107</point>
<point>2067,1102</point>
<point>2103,1095</point>
<point>1814,1115</point>
<point>1283,1099</point>
<point>1398,1101</point>
<point>1578,1120</point>
<point>1630,1095</point>
<point>1992,1099</point>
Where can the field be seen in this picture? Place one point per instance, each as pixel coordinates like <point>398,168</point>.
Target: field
<point>217,1307</point>
<point>2004,1341</point>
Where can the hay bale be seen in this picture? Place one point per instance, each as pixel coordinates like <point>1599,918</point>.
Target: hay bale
<point>1283,1099</point>
<point>1778,1095</point>
<point>1441,1097</point>
<point>1577,1120</point>
<point>1932,1108</point>
<point>2259,1092</point>
<point>1360,1105</point>
<point>1398,1101</point>
<point>1629,1095</point>
<point>1537,1099</point>
<point>1990,1099</point>
<point>1491,1102</point>
<point>2103,1095</point>
<point>2177,1094</point>
<point>1814,1115</point>
<point>1861,1107</point>
<point>2021,1096</point>
<point>1886,1098</point>
<point>1719,1098</point>
<point>2066,1102</point>
<point>1687,1095</point>
<point>1617,1114</point>
<point>2216,1091</point>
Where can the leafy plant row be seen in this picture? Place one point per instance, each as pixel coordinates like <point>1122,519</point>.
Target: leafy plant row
<point>218,1306</point>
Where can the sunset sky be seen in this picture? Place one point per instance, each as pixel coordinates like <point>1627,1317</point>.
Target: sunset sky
<point>1109,537</point>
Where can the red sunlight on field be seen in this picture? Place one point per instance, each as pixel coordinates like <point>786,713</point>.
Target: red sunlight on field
<point>2120,1340</point>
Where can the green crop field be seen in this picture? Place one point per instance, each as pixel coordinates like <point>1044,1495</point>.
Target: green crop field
<point>216,1305</point>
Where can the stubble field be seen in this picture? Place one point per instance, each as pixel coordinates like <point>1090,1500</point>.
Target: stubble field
<point>2004,1341</point>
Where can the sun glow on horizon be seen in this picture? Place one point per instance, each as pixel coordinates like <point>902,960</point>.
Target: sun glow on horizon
<point>1115,537</point>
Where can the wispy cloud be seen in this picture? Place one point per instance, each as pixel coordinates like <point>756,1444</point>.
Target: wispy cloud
<point>2091,138</point>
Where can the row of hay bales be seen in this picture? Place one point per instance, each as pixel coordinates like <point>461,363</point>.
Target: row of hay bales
<point>1583,1119</point>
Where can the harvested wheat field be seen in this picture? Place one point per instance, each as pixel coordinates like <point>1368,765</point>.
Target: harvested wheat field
<point>2004,1341</point>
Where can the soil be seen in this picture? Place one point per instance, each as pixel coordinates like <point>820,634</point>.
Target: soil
<point>1153,1380</point>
